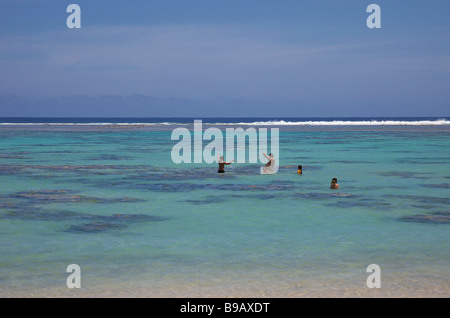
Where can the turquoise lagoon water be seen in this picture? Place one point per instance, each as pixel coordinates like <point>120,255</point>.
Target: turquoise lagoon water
<point>111,200</point>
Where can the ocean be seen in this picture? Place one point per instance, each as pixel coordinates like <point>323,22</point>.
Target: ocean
<point>104,193</point>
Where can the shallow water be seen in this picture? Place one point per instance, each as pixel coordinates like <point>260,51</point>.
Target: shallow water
<point>113,202</point>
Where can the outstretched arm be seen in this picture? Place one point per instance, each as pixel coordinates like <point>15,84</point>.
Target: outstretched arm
<point>268,158</point>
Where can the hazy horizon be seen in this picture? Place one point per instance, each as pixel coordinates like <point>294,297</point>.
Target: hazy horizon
<point>224,59</point>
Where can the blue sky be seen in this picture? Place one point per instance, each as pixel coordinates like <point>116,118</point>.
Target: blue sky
<point>213,58</point>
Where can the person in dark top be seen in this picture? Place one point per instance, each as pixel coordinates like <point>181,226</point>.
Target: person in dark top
<point>222,164</point>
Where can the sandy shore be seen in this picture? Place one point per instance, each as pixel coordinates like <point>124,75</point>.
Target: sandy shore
<point>392,288</point>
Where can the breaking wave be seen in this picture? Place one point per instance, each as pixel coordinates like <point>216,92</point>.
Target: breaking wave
<point>335,122</point>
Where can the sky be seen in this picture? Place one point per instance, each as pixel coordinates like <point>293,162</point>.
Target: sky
<point>224,58</point>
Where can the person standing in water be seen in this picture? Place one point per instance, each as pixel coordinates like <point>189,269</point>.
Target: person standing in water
<point>269,165</point>
<point>334,184</point>
<point>222,164</point>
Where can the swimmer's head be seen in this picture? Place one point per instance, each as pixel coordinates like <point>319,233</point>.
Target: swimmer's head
<point>221,158</point>
<point>334,180</point>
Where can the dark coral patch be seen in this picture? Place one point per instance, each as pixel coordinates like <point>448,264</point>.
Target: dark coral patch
<point>437,186</point>
<point>63,196</point>
<point>96,227</point>
<point>110,157</point>
<point>320,196</point>
<point>29,206</point>
<point>422,199</point>
<point>36,214</point>
<point>404,174</point>
<point>442,217</point>
<point>114,222</point>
